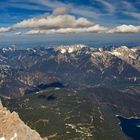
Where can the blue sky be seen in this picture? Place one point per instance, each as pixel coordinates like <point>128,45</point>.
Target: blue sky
<point>18,17</point>
<point>100,11</point>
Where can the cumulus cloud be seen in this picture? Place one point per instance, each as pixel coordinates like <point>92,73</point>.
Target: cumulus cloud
<point>58,22</point>
<point>61,11</point>
<point>54,22</point>
<point>125,29</point>
<point>3,29</point>
<point>62,22</point>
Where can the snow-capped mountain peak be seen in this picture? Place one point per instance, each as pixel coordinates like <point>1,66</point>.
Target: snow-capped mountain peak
<point>123,51</point>
<point>70,48</point>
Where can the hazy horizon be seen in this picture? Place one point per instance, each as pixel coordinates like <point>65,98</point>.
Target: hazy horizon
<point>90,39</point>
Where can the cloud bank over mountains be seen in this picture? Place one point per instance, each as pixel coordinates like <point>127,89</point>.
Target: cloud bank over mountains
<point>125,29</point>
<point>60,21</point>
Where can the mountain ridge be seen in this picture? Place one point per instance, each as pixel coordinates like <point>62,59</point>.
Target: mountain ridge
<point>74,65</point>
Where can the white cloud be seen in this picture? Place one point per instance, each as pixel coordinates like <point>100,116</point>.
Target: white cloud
<point>3,29</point>
<point>125,29</point>
<point>18,33</point>
<point>95,28</point>
<point>62,22</point>
<point>61,11</point>
<point>54,22</point>
<point>57,22</point>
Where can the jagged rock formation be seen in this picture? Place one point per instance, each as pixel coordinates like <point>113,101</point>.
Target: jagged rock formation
<point>13,128</point>
<point>131,56</point>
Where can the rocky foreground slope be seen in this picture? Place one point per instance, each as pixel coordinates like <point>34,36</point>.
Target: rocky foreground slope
<point>13,128</point>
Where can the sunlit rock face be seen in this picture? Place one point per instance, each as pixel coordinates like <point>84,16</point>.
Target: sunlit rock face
<point>13,128</point>
<point>129,55</point>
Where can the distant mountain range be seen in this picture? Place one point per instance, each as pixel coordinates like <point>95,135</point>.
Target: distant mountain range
<point>69,92</point>
<point>76,66</point>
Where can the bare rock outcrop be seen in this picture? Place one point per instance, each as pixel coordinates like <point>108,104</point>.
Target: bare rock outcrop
<point>13,128</point>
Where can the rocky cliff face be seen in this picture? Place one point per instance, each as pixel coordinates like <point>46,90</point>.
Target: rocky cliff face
<point>13,128</point>
<point>131,56</point>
